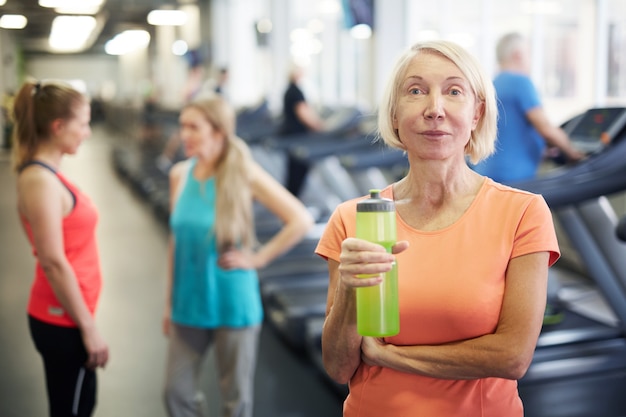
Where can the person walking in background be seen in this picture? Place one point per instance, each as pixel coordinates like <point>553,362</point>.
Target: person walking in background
<point>52,120</point>
<point>213,296</point>
<point>298,118</point>
<point>524,130</point>
<point>221,81</point>
<point>473,257</point>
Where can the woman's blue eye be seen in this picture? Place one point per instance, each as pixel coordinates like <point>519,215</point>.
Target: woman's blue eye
<point>415,91</point>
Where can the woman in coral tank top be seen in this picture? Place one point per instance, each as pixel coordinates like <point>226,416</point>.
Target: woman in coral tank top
<point>473,257</point>
<point>52,120</point>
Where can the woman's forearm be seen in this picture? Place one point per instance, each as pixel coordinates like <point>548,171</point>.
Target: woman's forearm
<point>65,287</point>
<point>288,236</point>
<point>341,344</point>
<point>486,356</point>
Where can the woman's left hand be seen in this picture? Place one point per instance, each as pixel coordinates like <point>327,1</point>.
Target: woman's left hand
<point>237,259</point>
<point>371,350</point>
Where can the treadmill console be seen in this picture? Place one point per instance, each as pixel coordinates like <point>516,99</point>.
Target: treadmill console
<point>596,128</point>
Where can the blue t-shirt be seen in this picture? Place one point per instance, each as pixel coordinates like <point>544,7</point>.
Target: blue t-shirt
<point>519,147</point>
<point>203,294</point>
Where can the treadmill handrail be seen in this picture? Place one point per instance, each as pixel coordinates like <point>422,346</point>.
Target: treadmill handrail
<point>600,174</point>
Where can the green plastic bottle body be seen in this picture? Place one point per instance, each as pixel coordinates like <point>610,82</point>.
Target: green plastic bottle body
<point>377,306</point>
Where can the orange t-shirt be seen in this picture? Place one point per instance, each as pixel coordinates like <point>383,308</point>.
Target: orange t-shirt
<point>81,250</point>
<point>451,285</point>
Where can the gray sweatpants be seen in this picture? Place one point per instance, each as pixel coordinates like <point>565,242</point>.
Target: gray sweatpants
<point>235,354</point>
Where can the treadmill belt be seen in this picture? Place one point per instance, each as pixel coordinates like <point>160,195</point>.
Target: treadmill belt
<point>289,310</point>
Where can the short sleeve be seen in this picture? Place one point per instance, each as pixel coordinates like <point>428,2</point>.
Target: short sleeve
<point>528,95</point>
<point>536,231</point>
<point>340,226</point>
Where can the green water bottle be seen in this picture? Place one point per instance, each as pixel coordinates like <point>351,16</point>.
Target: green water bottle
<point>377,312</point>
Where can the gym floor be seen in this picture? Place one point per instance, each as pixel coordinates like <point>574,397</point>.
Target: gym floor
<point>133,254</point>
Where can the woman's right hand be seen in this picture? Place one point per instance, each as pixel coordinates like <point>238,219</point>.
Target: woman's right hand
<point>341,344</point>
<point>359,257</point>
<point>97,348</point>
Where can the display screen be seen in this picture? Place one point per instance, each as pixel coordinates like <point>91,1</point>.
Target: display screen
<point>597,127</point>
<point>596,121</point>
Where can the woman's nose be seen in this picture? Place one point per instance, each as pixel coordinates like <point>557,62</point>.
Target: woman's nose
<point>434,107</point>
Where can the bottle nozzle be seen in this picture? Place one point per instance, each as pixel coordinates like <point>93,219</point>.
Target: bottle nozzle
<point>375,193</point>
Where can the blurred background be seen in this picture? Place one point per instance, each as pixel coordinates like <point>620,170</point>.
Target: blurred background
<point>141,60</point>
<point>124,53</point>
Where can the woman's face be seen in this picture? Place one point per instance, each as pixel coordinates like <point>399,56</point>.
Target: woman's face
<point>436,110</point>
<point>199,137</point>
<point>72,132</point>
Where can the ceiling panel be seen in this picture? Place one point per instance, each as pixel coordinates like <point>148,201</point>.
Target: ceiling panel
<point>116,16</point>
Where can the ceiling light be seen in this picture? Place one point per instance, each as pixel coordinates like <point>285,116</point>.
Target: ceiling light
<point>127,41</point>
<point>70,33</point>
<point>13,21</point>
<point>3,2</point>
<point>71,4</point>
<point>264,25</point>
<point>79,9</point>
<point>167,17</point>
<point>180,48</point>
<point>361,31</point>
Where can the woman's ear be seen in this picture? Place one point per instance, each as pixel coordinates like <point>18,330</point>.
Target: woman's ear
<point>57,126</point>
<point>478,114</point>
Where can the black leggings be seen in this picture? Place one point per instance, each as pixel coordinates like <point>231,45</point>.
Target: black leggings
<point>71,387</point>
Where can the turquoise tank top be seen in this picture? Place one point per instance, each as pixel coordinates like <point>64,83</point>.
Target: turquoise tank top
<point>203,294</point>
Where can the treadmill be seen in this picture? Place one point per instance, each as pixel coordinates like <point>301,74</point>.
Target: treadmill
<point>348,130</point>
<point>294,286</point>
<point>292,301</point>
<point>298,292</point>
<point>579,366</point>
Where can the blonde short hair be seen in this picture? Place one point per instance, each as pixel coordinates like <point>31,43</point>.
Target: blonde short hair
<point>482,140</point>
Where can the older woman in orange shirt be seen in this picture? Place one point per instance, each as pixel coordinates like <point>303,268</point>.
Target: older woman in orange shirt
<point>473,257</point>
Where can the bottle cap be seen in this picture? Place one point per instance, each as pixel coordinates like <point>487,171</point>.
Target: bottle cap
<point>375,203</point>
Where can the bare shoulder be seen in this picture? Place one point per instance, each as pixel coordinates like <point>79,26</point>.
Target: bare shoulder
<point>38,189</point>
<point>178,169</point>
<point>34,178</point>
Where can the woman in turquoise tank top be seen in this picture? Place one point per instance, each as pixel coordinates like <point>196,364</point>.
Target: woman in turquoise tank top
<point>213,295</point>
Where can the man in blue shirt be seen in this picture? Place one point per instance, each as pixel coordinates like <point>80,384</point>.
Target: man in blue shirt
<point>524,130</point>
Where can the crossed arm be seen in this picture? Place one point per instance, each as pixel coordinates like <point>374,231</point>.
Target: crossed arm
<point>506,353</point>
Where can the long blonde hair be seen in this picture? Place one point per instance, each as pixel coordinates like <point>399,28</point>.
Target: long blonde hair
<point>35,107</point>
<point>234,220</point>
